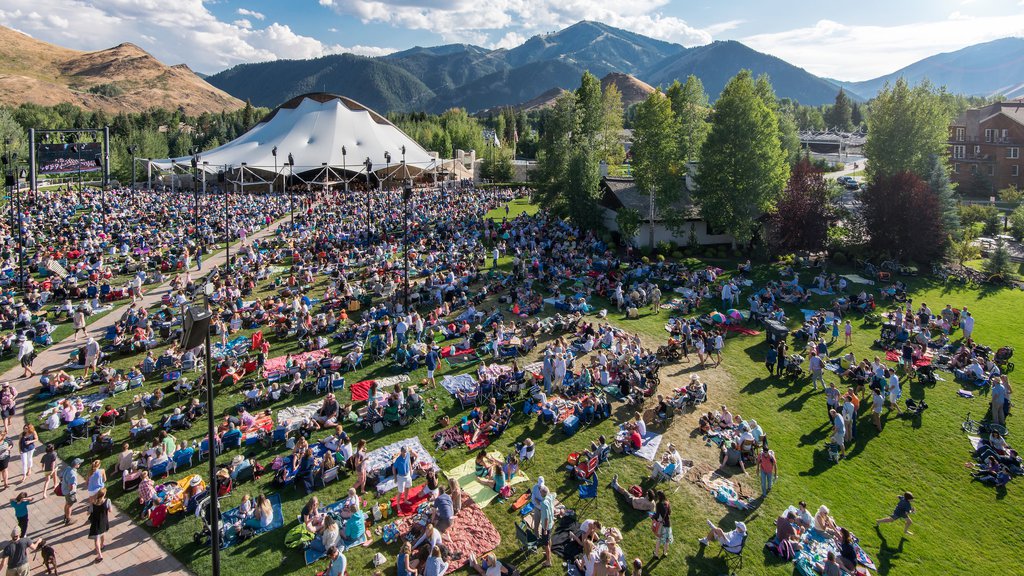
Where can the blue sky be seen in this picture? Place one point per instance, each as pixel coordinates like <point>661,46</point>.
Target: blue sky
<point>850,41</point>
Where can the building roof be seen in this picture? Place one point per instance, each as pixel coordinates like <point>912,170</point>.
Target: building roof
<point>619,193</point>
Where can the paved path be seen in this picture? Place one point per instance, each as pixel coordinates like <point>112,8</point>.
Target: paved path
<point>129,550</point>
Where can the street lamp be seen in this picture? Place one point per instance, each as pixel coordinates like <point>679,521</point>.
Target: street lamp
<point>369,168</point>
<point>195,195</point>
<point>344,167</point>
<point>291,201</point>
<point>133,149</point>
<point>406,194</point>
<point>274,154</point>
<point>384,186</point>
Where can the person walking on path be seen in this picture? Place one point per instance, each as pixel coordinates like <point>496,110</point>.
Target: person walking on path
<point>27,446</point>
<point>49,461</point>
<point>15,554</point>
<point>69,488</point>
<point>26,355</point>
<point>5,455</point>
<point>20,506</point>
<point>904,508</point>
<point>79,321</point>
<point>99,520</point>
<point>8,395</point>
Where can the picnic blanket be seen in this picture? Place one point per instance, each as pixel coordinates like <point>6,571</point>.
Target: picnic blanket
<point>462,359</point>
<point>649,448</point>
<point>298,413</point>
<point>562,544</point>
<point>821,292</point>
<point>450,438</point>
<point>378,462</point>
<point>816,546</point>
<point>808,314</point>
<point>236,345</point>
<point>857,279</point>
<point>725,490</point>
<point>232,521</point>
<point>497,370</point>
<point>413,498</point>
<point>534,367</point>
<point>465,475</point>
<point>471,533</point>
<point>741,330</point>
<point>278,364</point>
<point>361,390</point>
<point>976,442</point>
<point>460,383</point>
<point>894,356</point>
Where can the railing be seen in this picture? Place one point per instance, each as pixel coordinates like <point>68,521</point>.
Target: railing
<point>1000,141</point>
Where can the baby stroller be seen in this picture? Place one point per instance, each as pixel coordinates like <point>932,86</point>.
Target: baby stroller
<point>205,535</point>
<point>833,452</point>
<point>915,408</point>
<point>926,375</point>
<point>792,367</point>
<point>1002,358</point>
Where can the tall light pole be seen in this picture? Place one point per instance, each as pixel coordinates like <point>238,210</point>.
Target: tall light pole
<point>291,199</point>
<point>274,154</point>
<point>344,167</point>
<point>406,193</point>
<point>195,194</point>
<point>133,149</point>
<point>384,186</point>
<point>323,181</point>
<point>369,168</point>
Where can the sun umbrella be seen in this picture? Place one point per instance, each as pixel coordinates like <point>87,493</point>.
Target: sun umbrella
<point>717,317</point>
<point>734,313</point>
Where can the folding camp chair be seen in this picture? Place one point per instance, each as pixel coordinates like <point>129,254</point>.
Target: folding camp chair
<point>734,554</point>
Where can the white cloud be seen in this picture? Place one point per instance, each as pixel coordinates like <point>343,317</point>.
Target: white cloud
<point>510,40</point>
<point>862,52</point>
<point>491,22</point>
<point>189,33</point>
<point>716,29</point>
<point>252,13</point>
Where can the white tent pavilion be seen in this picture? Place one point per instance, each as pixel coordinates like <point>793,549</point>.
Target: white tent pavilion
<point>331,139</point>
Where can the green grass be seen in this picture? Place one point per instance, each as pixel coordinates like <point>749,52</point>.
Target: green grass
<point>955,517</point>
<point>515,208</point>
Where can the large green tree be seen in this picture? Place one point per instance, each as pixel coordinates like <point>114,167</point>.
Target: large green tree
<point>691,109</point>
<point>938,181</point>
<point>743,166</point>
<point>656,165</point>
<point>840,115</point>
<point>907,127</point>
<point>611,149</point>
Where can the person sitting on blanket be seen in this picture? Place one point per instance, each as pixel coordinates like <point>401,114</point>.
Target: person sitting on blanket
<point>489,566</point>
<point>786,530</point>
<point>312,518</point>
<point>355,528</point>
<point>829,567</point>
<point>263,514</point>
<point>670,464</point>
<point>644,503</point>
<point>327,413</point>
<point>731,455</point>
<point>824,523</point>
<point>590,531</point>
<point>328,535</point>
<point>429,540</point>
<point>496,478</point>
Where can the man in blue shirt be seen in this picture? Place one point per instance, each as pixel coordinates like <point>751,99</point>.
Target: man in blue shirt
<point>338,562</point>
<point>998,395</point>
<point>402,469</point>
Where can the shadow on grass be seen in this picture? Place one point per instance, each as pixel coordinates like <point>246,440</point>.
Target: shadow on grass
<point>887,553</point>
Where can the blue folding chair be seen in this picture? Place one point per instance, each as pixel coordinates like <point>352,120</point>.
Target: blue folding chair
<point>160,470</point>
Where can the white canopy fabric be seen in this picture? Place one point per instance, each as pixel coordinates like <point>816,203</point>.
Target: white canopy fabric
<point>313,128</point>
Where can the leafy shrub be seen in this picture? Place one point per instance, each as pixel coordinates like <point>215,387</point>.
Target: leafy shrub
<point>661,257</point>
<point>645,260</point>
<point>839,259</point>
<point>677,255</point>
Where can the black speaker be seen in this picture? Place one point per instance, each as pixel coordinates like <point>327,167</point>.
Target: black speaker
<point>195,326</point>
<point>98,160</point>
<point>9,179</point>
<point>220,177</point>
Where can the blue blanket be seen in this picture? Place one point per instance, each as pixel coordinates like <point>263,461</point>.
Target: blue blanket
<point>231,519</point>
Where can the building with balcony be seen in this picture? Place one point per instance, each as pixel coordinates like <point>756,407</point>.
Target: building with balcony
<point>985,146</point>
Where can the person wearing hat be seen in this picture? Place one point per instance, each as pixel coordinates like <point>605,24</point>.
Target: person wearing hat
<point>69,487</point>
<point>732,540</point>
<point>26,355</point>
<point>904,508</point>
<point>15,554</point>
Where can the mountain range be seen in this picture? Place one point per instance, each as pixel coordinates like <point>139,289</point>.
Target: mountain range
<point>528,76</point>
<point>123,78</point>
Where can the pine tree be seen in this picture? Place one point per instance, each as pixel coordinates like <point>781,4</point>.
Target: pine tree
<point>998,263</point>
<point>840,115</point>
<point>743,167</point>
<point>938,181</point>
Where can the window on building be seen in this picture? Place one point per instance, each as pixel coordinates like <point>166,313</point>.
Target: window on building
<point>991,170</point>
<point>1013,152</point>
<point>974,168</point>
<point>1004,133</point>
<point>959,151</point>
<point>977,150</point>
<point>988,134</point>
<point>1015,170</point>
<point>956,167</point>
<point>960,134</point>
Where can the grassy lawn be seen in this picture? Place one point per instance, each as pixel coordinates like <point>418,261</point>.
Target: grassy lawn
<point>515,208</point>
<point>955,517</point>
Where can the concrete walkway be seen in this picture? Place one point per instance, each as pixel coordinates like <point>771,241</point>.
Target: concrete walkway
<point>129,550</point>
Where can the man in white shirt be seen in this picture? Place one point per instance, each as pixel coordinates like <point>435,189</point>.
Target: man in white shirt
<point>893,389</point>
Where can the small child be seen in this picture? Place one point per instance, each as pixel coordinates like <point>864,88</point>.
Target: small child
<point>638,567</point>
<point>49,461</point>
<point>20,505</point>
<point>245,509</point>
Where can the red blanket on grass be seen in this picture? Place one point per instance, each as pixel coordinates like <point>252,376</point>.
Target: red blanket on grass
<point>413,498</point>
<point>361,391</point>
<point>894,356</point>
<point>471,533</point>
<point>483,442</point>
<point>448,351</point>
<point>277,364</point>
<point>741,330</point>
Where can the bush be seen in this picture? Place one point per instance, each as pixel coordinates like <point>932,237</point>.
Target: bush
<point>987,216</point>
<point>645,260</point>
<point>839,259</point>
<point>664,247</point>
<point>661,257</point>
<point>677,255</point>
<point>1017,223</point>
